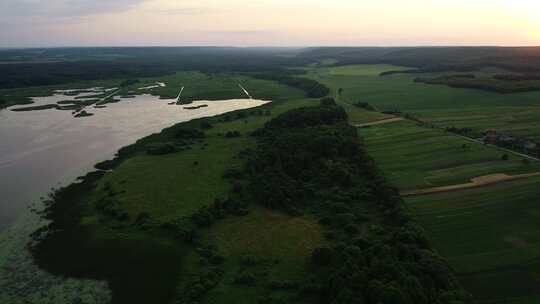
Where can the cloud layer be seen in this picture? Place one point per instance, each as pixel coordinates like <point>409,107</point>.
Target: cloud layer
<point>268,22</point>
<point>63,8</point>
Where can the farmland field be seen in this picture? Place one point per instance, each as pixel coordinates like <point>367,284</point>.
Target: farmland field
<point>490,236</point>
<point>418,157</point>
<point>518,113</point>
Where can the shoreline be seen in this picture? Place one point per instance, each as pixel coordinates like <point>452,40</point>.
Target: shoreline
<point>14,241</point>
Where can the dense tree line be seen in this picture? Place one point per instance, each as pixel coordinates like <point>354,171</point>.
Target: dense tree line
<point>311,160</point>
<point>32,67</point>
<point>312,88</point>
<point>517,77</point>
<point>498,85</point>
<point>22,68</point>
<point>519,59</point>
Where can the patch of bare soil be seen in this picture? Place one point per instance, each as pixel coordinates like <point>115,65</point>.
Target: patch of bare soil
<point>379,122</point>
<point>475,183</point>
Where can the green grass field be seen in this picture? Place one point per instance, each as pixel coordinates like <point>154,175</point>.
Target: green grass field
<point>418,157</point>
<point>518,113</point>
<point>491,237</point>
<point>282,246</point>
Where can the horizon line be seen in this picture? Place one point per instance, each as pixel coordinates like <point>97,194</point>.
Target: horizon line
<point>274,47</point>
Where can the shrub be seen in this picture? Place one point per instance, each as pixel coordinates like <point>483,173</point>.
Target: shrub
<point>162,149</point>
<point>206,125</point>
<point>351,229</point>
<point>188,133</point>
<point>365,106</point>
<point>129,82</point>
<point>217,260</point>
<point>321,256</point>
<point>328,101</point>
<point>325,220</point>
<point>232,134</point>
<point>203,217</point>
<point>245,279</point>
<point>283,284</point>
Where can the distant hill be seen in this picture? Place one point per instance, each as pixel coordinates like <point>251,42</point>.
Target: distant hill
<point>51,66</point>
<point>520,59</point>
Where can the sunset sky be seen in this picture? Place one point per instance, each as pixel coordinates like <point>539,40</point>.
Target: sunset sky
<point>26,23</point>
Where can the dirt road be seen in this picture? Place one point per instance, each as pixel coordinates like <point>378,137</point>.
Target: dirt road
<point>379,122</point>
<point>480,181</point>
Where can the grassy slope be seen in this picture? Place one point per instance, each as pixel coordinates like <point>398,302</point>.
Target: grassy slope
<point>518,113</point>
<point>490,235</point>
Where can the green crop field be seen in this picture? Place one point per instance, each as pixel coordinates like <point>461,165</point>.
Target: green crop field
<point>491,237</point>
<point>518,113</point>
<point>489,234</point>
<point>419,157</point>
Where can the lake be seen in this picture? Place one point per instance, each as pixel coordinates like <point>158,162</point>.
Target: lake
<point>40,149</point>
<point>43,149</point>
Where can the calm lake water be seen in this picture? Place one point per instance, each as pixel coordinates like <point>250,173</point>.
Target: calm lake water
<point>47,148</point>
<point>39,149</point>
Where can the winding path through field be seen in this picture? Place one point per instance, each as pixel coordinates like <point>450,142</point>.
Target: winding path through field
<point>476,182</point>
<point>379,122</point>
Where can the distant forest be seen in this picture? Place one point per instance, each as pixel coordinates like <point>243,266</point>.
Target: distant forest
<point>33,67</point>
<point>517,59</point>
